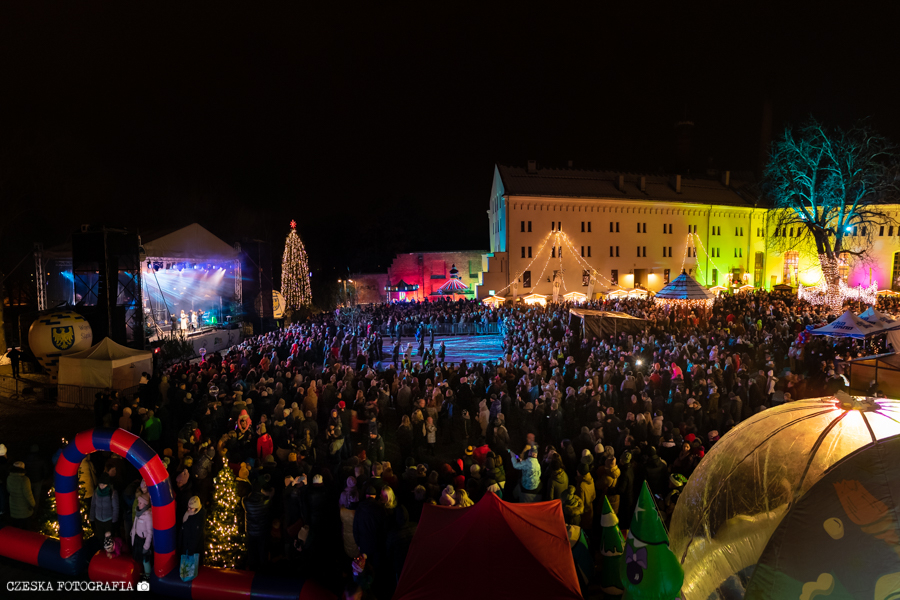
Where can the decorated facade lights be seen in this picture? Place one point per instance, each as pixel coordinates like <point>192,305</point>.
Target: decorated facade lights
<point>715,266</point>
<point>537,254</point>
<point>583,262</point>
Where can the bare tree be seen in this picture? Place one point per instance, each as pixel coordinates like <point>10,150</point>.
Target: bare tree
<point>827,189</point>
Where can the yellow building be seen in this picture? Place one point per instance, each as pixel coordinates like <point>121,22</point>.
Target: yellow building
<point>639,231</point>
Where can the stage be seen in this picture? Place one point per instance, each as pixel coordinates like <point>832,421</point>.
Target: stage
<point>214,340</point>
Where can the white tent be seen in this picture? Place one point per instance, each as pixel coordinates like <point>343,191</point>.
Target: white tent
<point>105,365</point>
<point>886,323</point>
<point>848,325</point>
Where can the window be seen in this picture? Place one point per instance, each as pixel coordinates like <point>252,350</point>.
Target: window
<point>523,251</point>
<point>559,226</point>
<point>776,233</point>
<point>791,266</point>
<point>666,275</point>
<point>610,226</point>
<point>610,251</point>
<point>639,227</point>
<point>881,231</point>
<point>670,251</point>
<point>639,251</point>
<point>529,226</point>
<point>664,252</point>
<point>552,225</point>
<point>523,226</point>
<point>715,277</point>
<point>740,253</point>
<point>695,251</point>
<point>890,231</point>
<point>758,269</point>
<point>645,251</point>
<point>617,227</point>
<point>560,251</point>
<point>582,251</point>
<point>665,228</point>
<point>589,226</point>
<point>735,231</point>
<point>614,275</point>
<point>690,229</point>
<point>617,251</point>
<point>526,279</point>
<point>529,251</point>
<point>553,252</point>
<point>582,227</point>
<point>645,228</point>
<point>843,266</point>
<point>719,230</point>
<point>855,231</point>
<point>865,230</point>
<point>589,251</point>
<point>735,253</point>
<point>792,232</point>
<point>895,274</point>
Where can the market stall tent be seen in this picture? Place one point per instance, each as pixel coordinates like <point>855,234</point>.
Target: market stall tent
<point>529,540</point>
<point>604,323</point>
<point>848,325</point>
<point>105,365</point>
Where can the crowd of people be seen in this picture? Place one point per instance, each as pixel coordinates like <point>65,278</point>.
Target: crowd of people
<point>337,445</point>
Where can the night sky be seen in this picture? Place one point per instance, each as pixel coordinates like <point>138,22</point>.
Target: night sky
<point>377,128</point>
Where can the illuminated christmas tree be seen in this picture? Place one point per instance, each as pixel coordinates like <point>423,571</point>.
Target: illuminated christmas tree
<point>295,271</point>
<point>48,521</point>
<point>224,542</point>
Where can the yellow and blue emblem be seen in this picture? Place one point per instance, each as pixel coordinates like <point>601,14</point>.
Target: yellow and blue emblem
<point>63,338</point>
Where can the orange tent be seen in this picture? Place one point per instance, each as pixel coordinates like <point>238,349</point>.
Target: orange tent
<point>526,546</point>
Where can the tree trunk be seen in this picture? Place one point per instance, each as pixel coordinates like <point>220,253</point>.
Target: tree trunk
<point>833,298</point>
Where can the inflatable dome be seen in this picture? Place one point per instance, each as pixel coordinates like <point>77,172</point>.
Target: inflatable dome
<point>780,505</point>
<point>55,333</point>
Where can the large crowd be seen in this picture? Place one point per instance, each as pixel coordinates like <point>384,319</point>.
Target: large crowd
<point>337,445</point>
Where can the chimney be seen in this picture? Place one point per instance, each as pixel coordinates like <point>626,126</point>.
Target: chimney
<point>532,166</point>
<point>726,178</point>
<point>643,184</point>
<point>570,164</point>
<point>676,183</point>
<point>621,184</point>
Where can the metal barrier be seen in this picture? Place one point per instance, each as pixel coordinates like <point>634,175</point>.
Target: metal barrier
<point>409,329</point>
<point>76,396</point>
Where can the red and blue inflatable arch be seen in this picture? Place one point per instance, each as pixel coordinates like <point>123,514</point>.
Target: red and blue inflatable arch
<point>67,555</point>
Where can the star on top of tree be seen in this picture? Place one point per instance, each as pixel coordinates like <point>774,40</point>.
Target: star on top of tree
<point>293,224</point>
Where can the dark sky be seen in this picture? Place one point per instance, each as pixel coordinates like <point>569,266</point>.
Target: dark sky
<point>376,128</point>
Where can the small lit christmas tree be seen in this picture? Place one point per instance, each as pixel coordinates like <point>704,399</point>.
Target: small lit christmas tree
<point>49,518</point>
<point>651,570</point>
<point>295,272</point>
<point>224,542</point>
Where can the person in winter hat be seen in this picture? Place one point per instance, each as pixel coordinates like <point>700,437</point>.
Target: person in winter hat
<point>264,444</point>
<point>21,498</point>
<point>142,534</point>
<point>572,506</point>
<point>104,512</point>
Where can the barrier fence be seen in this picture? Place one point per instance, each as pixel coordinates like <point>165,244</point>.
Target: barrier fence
<point>76,396</point>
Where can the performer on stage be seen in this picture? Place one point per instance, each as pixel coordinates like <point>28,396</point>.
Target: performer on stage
<point>184,321</point>
<point>193,320</point>
<point>200,317</point>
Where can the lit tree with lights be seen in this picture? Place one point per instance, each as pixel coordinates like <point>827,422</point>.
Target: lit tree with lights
<point>295,272</point>
<point>827,189</point>
<point>225,545</point>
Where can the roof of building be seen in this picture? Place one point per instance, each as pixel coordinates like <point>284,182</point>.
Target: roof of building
<point>578,183</point>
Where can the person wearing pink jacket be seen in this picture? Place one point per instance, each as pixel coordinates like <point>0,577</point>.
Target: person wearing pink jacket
<point>142,534</point>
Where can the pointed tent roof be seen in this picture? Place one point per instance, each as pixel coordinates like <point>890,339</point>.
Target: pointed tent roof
<point>193,242</point>
<point>884,322</point>
<point>684,287</point>
<point>529,540</point>
<point>453,286</point>
<point>106,349</point>
<point>848,325</point>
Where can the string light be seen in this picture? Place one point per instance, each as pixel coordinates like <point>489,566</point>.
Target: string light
<point>562,275</point>
<point>583,262</point>
<point>705,275</point>
<point>295,285</point>
<point>817,294</point>
<point>225,545</point>
<point>536,256</point>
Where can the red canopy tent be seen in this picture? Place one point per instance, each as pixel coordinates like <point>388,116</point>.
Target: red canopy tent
<point>526,544</point>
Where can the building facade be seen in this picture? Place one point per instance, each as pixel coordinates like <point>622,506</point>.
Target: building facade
<point>641,230</point>
<point>430,270</point>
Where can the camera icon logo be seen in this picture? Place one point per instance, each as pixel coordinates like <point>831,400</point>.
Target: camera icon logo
<point>143,586</point>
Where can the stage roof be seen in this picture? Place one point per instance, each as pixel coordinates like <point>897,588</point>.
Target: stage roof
<point>193,242</point>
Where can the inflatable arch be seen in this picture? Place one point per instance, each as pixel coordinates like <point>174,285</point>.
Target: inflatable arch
<point>67,555</point>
